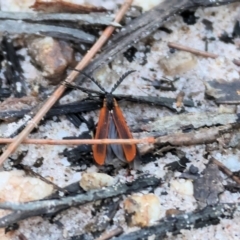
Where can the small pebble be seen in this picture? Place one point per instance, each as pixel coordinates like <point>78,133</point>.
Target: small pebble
<point>90,181</point>
<point>142,210</point>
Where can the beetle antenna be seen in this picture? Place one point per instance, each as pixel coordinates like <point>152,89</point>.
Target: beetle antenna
<point>121,79</point>
<point>93,80</point>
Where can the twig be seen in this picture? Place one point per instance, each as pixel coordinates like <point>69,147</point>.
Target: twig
<point>59,91</point>
<point>224,169</point>
<point>197,52</point>
<point>80,141</point>
<point>210,215</point>
<point>35,208</point>
<point>112,233</point>
<point>192,50</point>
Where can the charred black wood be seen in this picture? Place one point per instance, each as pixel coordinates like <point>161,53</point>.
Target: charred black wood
<point>155,101</point>
<point>224,37</point>
<point>82,237</point>
<point>11,227</point>
<point>57,110</point>
<point>80,19</point>
<point>79,155</point>
<point>13,70</point>
<point>211,215</point>
<point>38,208</point>
<point>105,211</point>
<point>233,188</point>
<point>19,159</point>
<point>236,30</point>
<point>77,119</point>
<point>38,163</point>
<point>189,17</point>
<point>74,119</point>
<point>208,24</point>
<point>5,93</point>
<point>179,166</point>
<point>223,92</point>
<point>71,34</point>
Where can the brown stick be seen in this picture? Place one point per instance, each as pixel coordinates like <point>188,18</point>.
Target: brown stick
<point>80,141</point>
<point>192,50</point>
<point>59,91</point>
<point>224,169</point>
<point>197,52</point>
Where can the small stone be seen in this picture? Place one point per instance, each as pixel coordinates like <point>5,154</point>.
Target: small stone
<point>193,169</point>
<point>182,186</point>
<point>51,56</point>
<point>142,210</point>
<point>90,181</point>
<point>178,62</point>
<point>15,186</point>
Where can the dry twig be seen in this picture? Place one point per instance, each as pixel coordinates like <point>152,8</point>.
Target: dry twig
<point>224,169</point>
<point>59,91</point>
<point>197,52</point>
<point>80,141</point>
<point>192,50</point>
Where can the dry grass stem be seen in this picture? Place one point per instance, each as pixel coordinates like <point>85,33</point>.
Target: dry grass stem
<point>80,141</point>
<point>227,171</point>
<point>192,50</point>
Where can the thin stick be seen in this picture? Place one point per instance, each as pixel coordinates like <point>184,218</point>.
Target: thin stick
<point>198,52</point>
<point>59,91</point>
<point>80,141</point>
<point>192,50</point>
<point>224,169</point>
